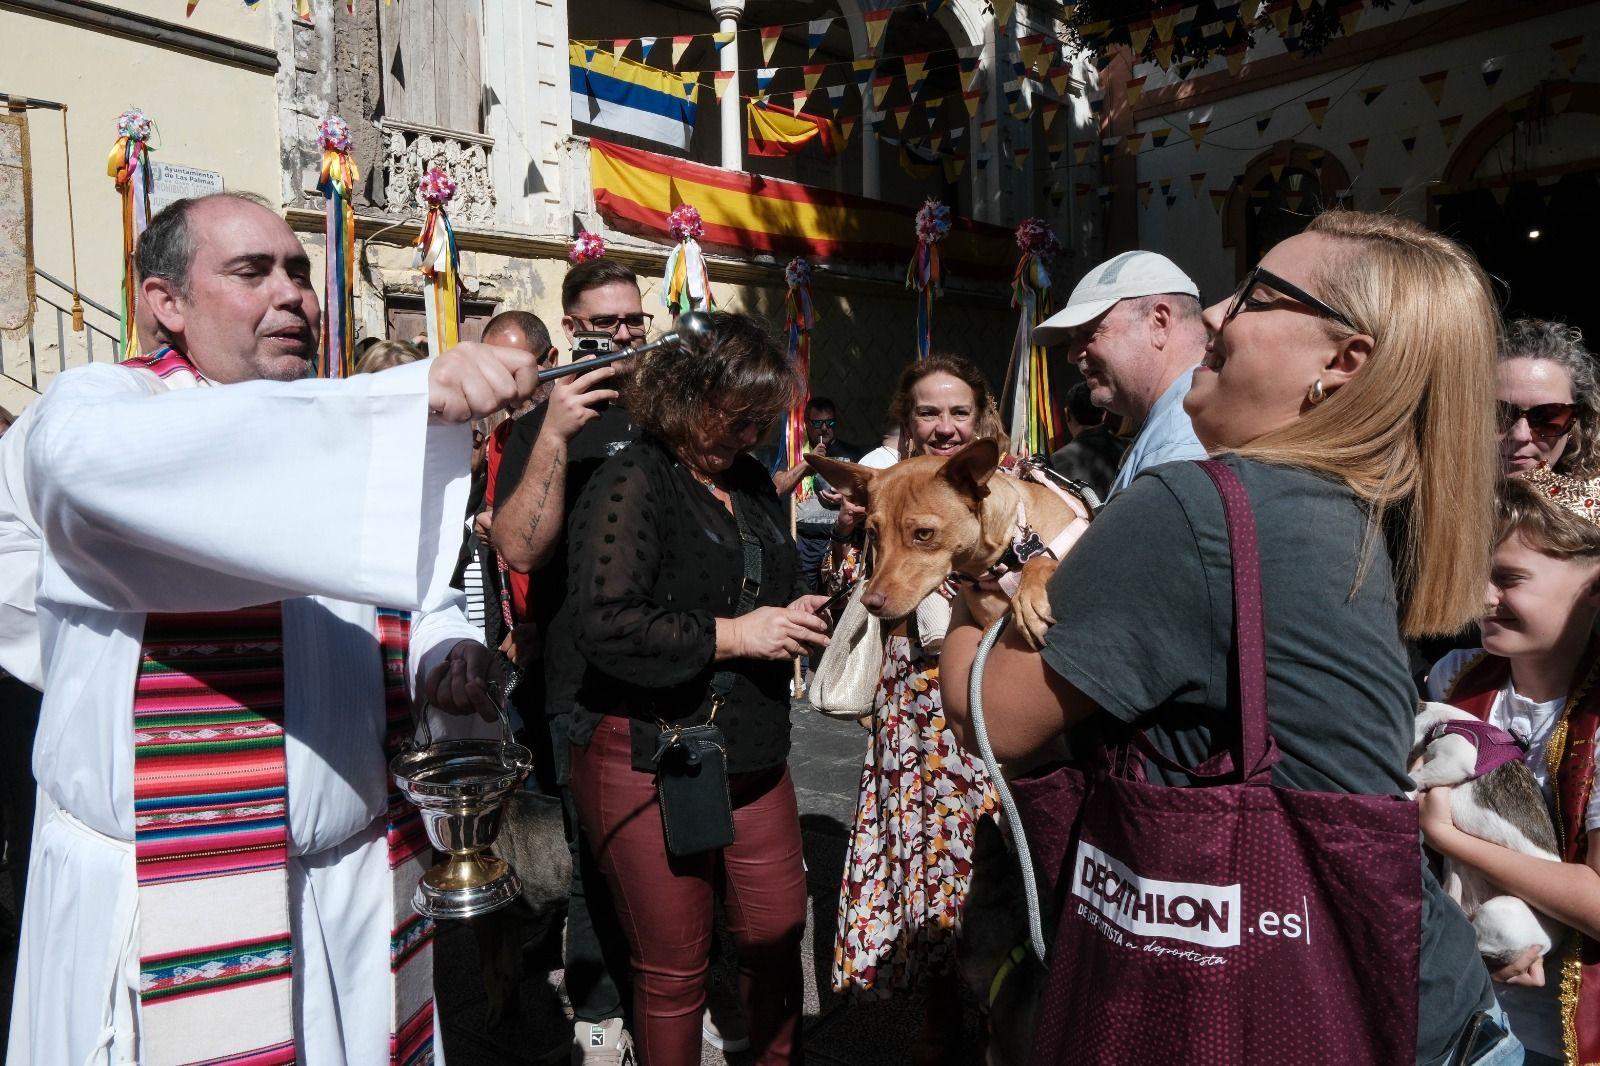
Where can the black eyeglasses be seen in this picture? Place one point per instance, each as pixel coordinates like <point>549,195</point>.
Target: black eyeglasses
<point>1258,277</point>
<point>637,322</point>
<point>1546,421</point>
<point>824,423</point>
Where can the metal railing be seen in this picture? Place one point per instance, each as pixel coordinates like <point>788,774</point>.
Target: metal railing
<point>100,340</point>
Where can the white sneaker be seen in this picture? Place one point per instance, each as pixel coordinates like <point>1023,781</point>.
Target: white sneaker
<point>723,1025</point>
<point>604,1043</point>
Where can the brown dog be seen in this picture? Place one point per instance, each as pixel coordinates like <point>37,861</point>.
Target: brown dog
<point>930,517</point>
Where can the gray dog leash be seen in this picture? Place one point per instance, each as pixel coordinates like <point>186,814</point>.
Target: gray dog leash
<point>1030,884</point>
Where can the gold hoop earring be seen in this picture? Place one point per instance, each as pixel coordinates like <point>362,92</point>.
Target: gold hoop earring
<point>1316,393</point>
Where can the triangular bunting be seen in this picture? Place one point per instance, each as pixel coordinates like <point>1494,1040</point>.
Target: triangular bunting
<point>691,85</point>
<point>812,75</point>
<point>985,128</point>
<point>1217,197</point>
<point>915,64</point>
<point>1028,49</point>
<point>1197,133</point>
<point>798,101</point>
<point>1434,84</point>
<point>722,39</point>
<point>769,41</point>
<point>899,115</point>
<point>1171,200</point>
<point>1359,150</point>
<point>1164,19</point>
<point>1051,109</point>
<point>646,46</point>
<point>620,45</point>
<point>1500,190</point>
<point>880,89</point>
<point>1080,149</point>
<point>1197,180</point>
<point>1567,50</point>
<point>720,80</point>
<point>861,69</point>
<point>816,31</point>
<point>1019,155</point>
<point>847,126</point>
<point>875,22</point>
<point>1138,34</point>
<point>1144,194</point>
<point>1318,110</point>
<point>1059,78</point>
<point>1235,56</point>
<point>1408,141</point>
<point>1293,200</point>
<point>1166,186</point>
<point>1491,70</point>
<point>1135,87</point>
<point>969,73</point>
<point>764,76</point>
<point>1263,120</point>
<point>680,45</point>
<point>1158,138</point>
<point>1132,142</point>
<point>971,99</point>
<point>1276,170</point>
<point>1278,11</point>
<point>1164,55</point>
<point>1002,15</point>
<point>835,95</point>
<point>1448,128</point>
<point>1053,153</point>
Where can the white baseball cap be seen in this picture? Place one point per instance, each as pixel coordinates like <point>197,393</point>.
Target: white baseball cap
<point>1124,277</point>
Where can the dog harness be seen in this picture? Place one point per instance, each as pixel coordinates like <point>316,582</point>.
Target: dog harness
<point>1005,576</point>
<point>1495,746</point>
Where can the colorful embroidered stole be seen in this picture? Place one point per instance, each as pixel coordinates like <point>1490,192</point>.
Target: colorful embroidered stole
<point>1571,762</point>
<point>211,835</point>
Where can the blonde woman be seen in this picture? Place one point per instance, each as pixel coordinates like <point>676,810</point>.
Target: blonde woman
<point>910,860</point>
<point>1349,383</point>
<point>387,354</point>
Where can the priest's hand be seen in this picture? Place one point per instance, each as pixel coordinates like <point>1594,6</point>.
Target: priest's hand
<point>461,682</point>
<point>476,380</point>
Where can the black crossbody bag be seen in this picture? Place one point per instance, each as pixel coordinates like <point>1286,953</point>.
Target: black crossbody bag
<point>692,760</point>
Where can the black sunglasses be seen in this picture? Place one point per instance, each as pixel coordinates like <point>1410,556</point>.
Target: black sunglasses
<point>824,423</point>
<point>1258,277</point>
<point>1546,421</point>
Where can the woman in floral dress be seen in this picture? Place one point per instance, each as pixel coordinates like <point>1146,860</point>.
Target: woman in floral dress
<point>910,856</point>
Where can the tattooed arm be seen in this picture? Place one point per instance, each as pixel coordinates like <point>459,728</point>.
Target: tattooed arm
<point>528,524</point>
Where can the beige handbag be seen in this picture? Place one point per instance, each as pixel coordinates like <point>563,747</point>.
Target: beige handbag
<point>847,675</point>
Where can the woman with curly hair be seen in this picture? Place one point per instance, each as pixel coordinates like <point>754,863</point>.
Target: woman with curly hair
<point>1548,402</point>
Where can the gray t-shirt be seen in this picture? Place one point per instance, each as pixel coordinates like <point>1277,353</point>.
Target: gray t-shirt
<point>1145,602</point>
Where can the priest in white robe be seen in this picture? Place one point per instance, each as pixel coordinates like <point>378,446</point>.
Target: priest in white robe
<point>238,484</point>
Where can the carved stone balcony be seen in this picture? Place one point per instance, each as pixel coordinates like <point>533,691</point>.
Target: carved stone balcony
<point>411,150</point>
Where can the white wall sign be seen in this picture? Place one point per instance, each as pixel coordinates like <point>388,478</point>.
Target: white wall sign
<point>172,182</point>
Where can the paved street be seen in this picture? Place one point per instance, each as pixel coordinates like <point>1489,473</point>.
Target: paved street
<point>826,764</point>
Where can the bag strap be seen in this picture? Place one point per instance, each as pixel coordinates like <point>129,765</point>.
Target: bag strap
<point>1254,751</point>
<point>749,592</point>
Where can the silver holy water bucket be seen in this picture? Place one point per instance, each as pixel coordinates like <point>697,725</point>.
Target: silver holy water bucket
<point>461,786</point>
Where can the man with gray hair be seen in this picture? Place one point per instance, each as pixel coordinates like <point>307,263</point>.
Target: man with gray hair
<point>1133,328</point>
<point>242,578</point>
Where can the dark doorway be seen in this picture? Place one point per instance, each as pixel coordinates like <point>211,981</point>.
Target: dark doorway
<point>1537,238</point>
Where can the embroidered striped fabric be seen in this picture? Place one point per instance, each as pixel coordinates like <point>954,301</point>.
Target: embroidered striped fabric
<point>191,972</point>
<point>411,935</point>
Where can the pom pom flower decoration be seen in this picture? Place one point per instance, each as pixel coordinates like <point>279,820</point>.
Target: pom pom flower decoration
<point>684,223</point>
<point>436,188</point>
<point>933,222</point>
<point>586,246</point>
<point>1037,239</point>
<point>797,273</point>
<point>333,135</point>
<point>134,125</point>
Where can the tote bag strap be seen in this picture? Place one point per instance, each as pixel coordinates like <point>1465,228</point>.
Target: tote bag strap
<point>1254,752</point>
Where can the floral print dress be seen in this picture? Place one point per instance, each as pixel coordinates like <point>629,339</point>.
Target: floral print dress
<point>910,857</point>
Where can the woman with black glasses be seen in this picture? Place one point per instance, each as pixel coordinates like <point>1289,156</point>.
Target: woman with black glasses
<point>1347,387</point>
<point>1546,392</point>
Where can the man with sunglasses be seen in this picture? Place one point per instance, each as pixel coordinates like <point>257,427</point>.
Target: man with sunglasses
<point>816,503</point>
<point>1133,329</point>
<point>548,459</point>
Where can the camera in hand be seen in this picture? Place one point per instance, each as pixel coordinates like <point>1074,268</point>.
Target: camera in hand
<point>591,342</point>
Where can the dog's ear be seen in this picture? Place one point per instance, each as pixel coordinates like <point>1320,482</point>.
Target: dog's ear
<point>852,480</point>
<point>970,469</point>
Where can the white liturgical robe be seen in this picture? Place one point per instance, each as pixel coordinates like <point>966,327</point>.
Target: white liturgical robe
<point>332,496</point>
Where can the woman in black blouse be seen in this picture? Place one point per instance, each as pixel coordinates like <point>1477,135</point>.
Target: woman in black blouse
<point>656,569</point>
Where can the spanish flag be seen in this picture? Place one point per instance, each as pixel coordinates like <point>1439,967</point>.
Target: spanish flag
<point>776,130</point>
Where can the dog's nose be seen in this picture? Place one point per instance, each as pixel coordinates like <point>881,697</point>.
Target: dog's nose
<point>873,601</point>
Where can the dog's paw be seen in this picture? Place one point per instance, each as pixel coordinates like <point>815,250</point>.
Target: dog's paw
<point>1506,927</point>
<point>1031,604</point>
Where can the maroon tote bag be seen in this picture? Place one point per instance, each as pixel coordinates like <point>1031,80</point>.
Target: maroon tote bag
<point>1232,922</point>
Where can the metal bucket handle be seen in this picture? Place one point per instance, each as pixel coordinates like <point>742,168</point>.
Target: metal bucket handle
<point>422,735</point>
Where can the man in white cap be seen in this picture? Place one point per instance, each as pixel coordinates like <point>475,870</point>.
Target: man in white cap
<point>1133,328</point>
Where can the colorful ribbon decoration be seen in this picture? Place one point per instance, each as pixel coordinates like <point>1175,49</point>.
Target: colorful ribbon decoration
<point>586,246</point>
<point>438,262</point>
<point>686,286</point>
<point>924,274</point>
<point>797,321</point>
<point>129,165</point>
<point>1033,423</point>
<point>337,181</point>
